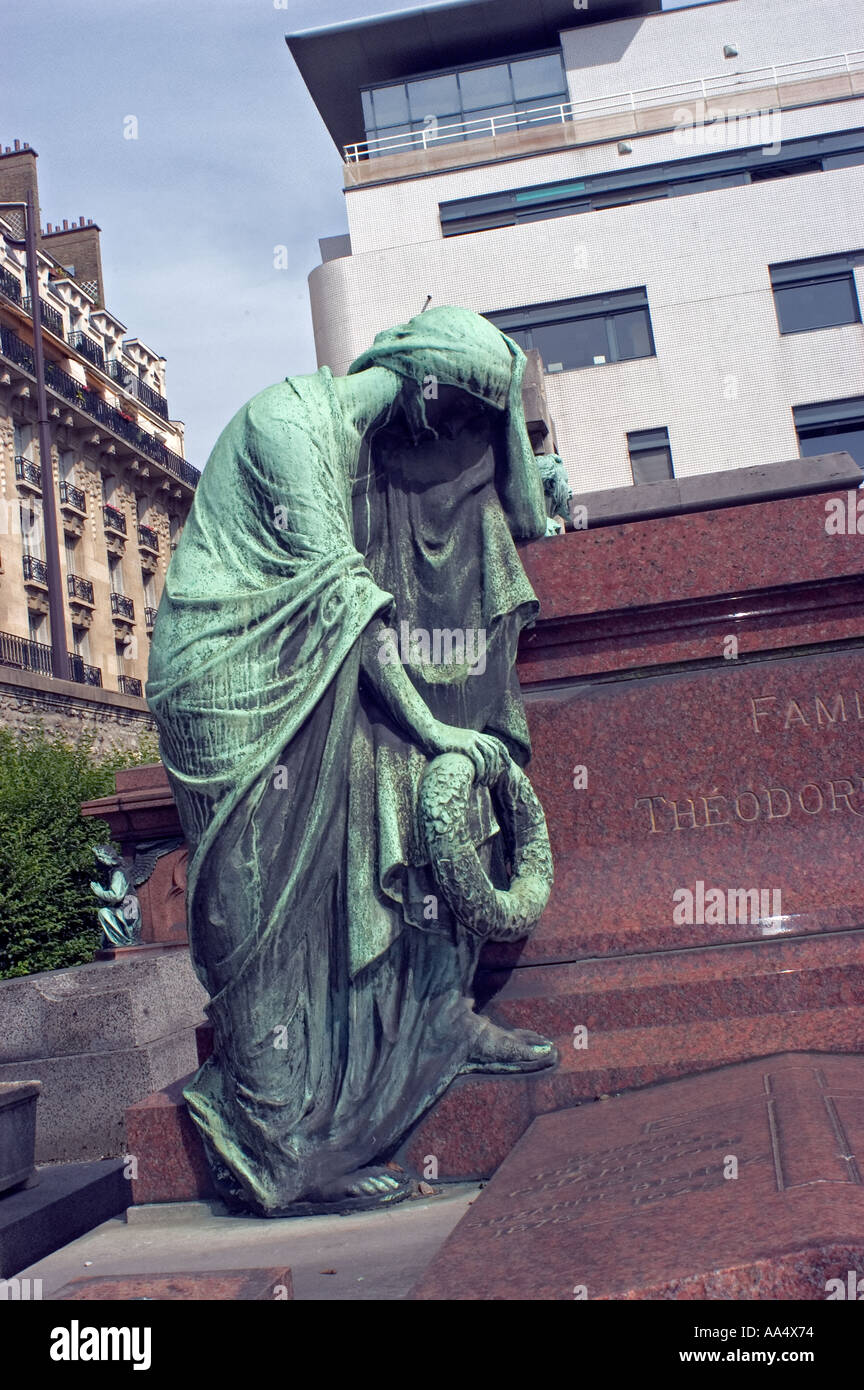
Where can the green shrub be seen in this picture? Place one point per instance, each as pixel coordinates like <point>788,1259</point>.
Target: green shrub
<point>47,912</point>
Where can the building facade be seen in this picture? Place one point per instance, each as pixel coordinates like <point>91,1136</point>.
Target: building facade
<point>122,483</point>
<point>667,205</point>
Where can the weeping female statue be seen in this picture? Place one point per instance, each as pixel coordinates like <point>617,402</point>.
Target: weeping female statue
<point>333,676</point>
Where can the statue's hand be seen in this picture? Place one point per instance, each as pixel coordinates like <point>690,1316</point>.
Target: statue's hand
<point>485,752</point>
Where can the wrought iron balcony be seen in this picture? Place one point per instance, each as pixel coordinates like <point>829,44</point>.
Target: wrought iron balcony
<point>26,656</point>
<point>148,538</point>
<point>10,285</point>
<point>79,588</point>
<point>147,396</point>
<point>150,617</point>
<point>89,348</point>
<point>129,685</point>
<point>51,318</point>
<point>27,472</point>
<point>35,570</point>
<point>114,520</point>
<point>122,607</point>
<point>133,384</point>
<point>36,656</point>
<point>71,496</point>
<point>15,350</point>
<point>82,673</point>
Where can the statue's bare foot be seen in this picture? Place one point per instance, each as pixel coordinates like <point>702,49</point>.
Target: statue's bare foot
<point>495,1049</point>
<point>358,1191</point>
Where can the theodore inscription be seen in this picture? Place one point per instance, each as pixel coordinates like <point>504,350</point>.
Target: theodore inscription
<point>664,814</point>
<point>768,713</point>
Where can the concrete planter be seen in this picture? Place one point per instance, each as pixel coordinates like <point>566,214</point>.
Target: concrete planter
<point>18,1132</point>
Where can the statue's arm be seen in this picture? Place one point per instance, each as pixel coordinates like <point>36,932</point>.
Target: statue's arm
<point>383,673</point>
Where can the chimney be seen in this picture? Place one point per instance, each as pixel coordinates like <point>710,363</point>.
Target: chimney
<point>17,179</point>
<point>78,245</point>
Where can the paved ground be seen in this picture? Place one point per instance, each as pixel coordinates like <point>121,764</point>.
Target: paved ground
<point>375,1255</point>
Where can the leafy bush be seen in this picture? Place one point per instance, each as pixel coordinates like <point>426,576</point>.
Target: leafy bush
<point>47,912</point>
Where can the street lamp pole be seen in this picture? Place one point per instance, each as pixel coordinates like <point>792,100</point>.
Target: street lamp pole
<point>56,604</point>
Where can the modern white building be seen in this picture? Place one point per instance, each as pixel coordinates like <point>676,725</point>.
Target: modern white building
<point>667,204</point>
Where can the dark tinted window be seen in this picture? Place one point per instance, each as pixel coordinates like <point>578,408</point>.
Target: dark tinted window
<point>817,303</point>
<point>848,438</point>
<point>650,455</point>
<point>583,332</point>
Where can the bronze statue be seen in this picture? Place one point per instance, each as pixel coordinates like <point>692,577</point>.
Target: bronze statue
<point>333,677</point>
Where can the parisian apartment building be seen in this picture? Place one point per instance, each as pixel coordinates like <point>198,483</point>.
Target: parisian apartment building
<point>665,205</point>
<point>121,482</point>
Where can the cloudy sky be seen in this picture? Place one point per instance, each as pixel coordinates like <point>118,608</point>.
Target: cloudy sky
<point>231,160</point>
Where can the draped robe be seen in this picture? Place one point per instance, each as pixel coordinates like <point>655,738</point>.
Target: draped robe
<point>340,1010</point>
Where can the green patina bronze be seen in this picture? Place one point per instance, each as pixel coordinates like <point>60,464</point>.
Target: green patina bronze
<point>333,675</point>
<point>120,913</point>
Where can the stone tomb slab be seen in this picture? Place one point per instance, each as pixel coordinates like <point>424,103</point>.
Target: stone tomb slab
<point>634,1198</point>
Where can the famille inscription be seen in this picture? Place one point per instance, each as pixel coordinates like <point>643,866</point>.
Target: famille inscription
<point>813,712</point>
<point>769,713</point>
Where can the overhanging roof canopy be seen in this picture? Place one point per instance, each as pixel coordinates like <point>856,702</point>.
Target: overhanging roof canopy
<point>336,62</point>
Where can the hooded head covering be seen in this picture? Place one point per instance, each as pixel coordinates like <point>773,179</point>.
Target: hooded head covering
<point>456,347</point>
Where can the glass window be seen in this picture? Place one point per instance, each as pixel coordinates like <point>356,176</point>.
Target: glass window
<point>393,140</point>
<point>485,87</point>
<point>391,105</point>
<point>631,335</point>
<point>474,120</point>
<point>498,87</point>
<point>433,96</point>
<point>550,114</point>
<point>586,332</point>
<point>817,303</point>
<point>574,344</point>
<point>538,77</point>
<point>443,130</point>
<point>651,465</point>
<point>650,455</point>
<point>847,436</point>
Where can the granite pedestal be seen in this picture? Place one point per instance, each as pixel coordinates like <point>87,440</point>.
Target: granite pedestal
<point>695,692</point>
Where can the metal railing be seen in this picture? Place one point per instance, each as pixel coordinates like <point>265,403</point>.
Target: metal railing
<point>122,607</point>
<point>35,570</point>
<point>150,616</point>
<point>71,496</point>
<point>27,472</point>
<point>82,673</point>
<point>698,89</point>
<point>10,285</point>
<point>134,386</point>
<point>88,347</point>
<point>148,538</point>
<point>129,685</point>
<point>25,655</point>
<point>51,318</point>
<point>79,588</point>
<point>14,349</point>
<point>114,520</point>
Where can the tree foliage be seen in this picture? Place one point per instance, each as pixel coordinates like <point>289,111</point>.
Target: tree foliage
<point>47,912</point>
